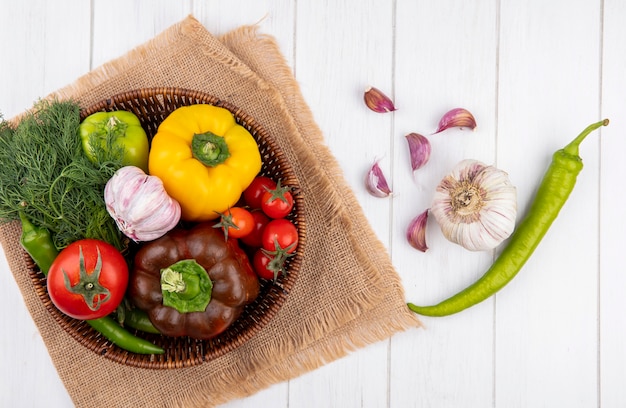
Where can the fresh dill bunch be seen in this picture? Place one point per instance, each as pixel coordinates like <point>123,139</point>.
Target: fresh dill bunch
<point>46,175</point>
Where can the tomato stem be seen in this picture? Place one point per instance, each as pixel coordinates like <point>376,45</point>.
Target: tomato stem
<point>278,258</point>
<point>278,193</point>
<point>226,222</point>
<point>88,285</point>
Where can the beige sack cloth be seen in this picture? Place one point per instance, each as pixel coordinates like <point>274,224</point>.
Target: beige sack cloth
<point>352,299</point>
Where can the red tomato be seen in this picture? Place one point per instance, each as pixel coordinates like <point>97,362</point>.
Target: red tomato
<point>88,279</point>
<point>261,263</point>
<point>236,222</point>
<point>277,203</point>
<point>259,186</point>
<point>280,232</point>
<point>253,239</point>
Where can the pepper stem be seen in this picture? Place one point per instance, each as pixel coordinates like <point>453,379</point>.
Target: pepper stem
<point>186,286</point>
<point>27,226</point>
<point>572,147</point>
<point>172,281</point>
<point>209,148</point>
<point>115,127</point>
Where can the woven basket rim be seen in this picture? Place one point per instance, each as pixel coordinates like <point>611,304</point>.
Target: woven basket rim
<point>186,352</point>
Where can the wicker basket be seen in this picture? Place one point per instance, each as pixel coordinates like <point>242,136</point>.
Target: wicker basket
<point>152,106</point>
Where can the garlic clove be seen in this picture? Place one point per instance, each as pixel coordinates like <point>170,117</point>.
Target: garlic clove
<point>475,206</point>
<point>376,183</point>
<point>419,149</point>
<point>378,101</point>
<point>457,117</point>
<point>416,232</point>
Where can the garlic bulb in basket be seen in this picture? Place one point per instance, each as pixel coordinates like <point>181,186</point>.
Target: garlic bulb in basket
<point>138,203</point>
<point>475,205</point>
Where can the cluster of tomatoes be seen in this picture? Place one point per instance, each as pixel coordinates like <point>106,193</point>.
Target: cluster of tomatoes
<point>259,222</point>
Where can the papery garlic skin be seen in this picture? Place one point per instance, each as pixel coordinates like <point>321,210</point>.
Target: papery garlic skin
<point>376,183</point>
<point>139,204</point>
<point>475,206</point>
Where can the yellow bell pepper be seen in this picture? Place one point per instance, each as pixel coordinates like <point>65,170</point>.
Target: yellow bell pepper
<point>205,160</point>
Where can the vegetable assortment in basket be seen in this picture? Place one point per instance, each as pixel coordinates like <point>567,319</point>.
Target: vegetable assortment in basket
<point>173,259</point>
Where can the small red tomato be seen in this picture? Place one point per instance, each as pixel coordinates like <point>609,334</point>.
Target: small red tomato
<point>236,222</point>
<point>254,192</point>
<point>253,239</point>
<point>280,236</point>
<point>277,203</point>
<point>88,279</point>
<point>262,264</point>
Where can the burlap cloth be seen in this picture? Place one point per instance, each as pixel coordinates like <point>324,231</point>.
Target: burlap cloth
<point>348,294</point>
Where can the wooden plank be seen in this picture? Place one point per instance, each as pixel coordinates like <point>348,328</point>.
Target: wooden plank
<point>44,57</point>
<point>276,17</point>
<point>341,50</point>
<point>119,25</point>
<point>445,58</point>
<point>41,53</point>
<point>612,214</point>
<point>546,337</point>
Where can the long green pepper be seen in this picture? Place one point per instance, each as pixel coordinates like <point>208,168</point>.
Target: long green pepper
<point>110,329</point>
<point>556,186</point>
<point>138,319</point>
<point>37,242</point>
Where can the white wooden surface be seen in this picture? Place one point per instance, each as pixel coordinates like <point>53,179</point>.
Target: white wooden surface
<point>534,73</point>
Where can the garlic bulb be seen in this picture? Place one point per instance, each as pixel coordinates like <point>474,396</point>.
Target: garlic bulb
<point>475,205</point>
<point>139,204</point>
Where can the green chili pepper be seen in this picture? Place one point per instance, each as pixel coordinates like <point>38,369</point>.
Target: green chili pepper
<point>555,188</point>
<point>122,338</point>
<point>37,242</point>
<point>138,319</point>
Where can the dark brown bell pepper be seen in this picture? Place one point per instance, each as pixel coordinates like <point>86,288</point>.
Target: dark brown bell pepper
<point>234,283</point>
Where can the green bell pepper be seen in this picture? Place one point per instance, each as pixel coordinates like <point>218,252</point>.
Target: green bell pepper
<point>114,135</point>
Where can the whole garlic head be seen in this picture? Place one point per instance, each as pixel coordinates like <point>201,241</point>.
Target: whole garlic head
<point>139,204</point>
<point>475,205</point>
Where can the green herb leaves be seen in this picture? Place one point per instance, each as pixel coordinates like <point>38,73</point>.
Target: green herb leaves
<point>46,175</point>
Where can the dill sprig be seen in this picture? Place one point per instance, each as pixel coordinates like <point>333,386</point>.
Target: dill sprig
<point>45,174</point>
